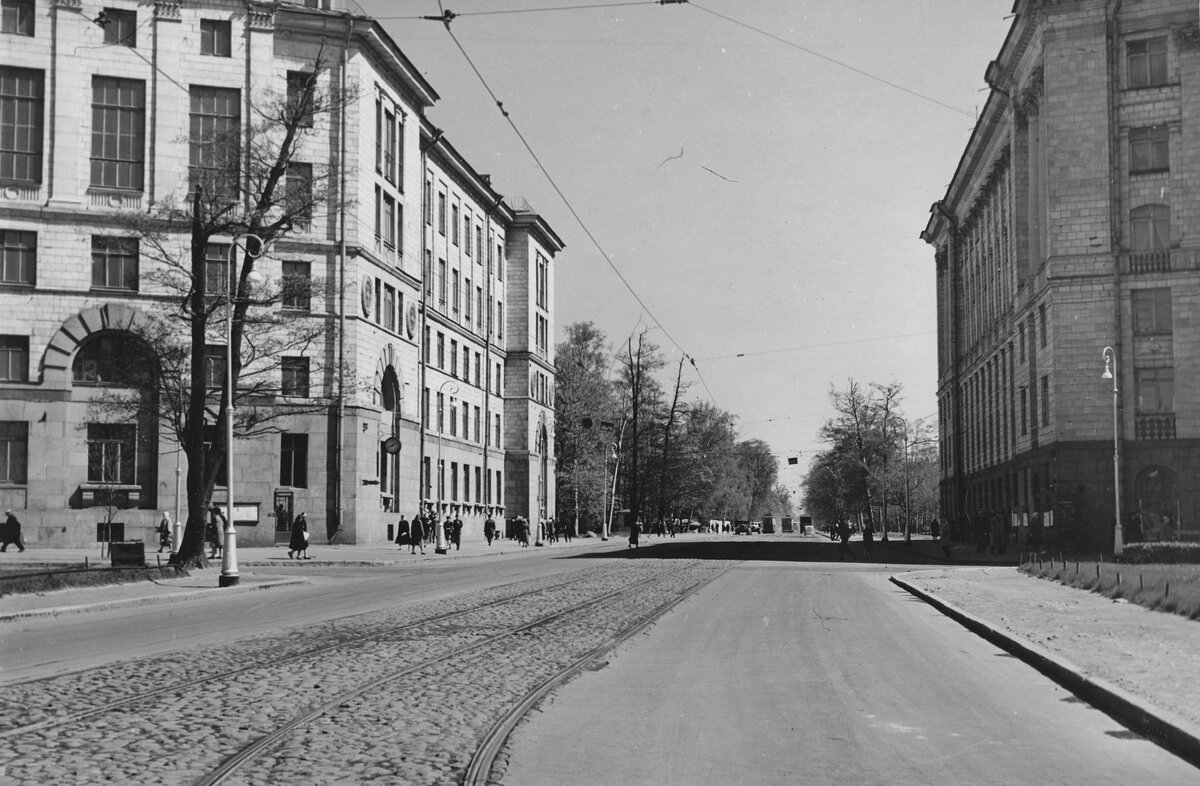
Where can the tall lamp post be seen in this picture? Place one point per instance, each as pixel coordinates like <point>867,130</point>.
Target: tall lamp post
<point>611,447</point>
<point>1110,372</point>
<point>440,546</point>
<point>229,567</point>
<point>615,447</point>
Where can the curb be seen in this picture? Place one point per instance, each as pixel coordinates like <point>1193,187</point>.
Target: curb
<point>149,600</point>
<point>1162,728</point>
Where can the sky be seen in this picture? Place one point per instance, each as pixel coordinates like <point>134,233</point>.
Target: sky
<point>746,179</point>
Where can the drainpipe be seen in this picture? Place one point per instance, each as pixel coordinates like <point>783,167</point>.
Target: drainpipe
<point>1115,216</point>
<point>426,271</point>
<point>487,352</point>
<point>338,430</point>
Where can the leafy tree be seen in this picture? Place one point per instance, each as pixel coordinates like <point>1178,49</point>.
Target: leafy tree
<point>644,394</point>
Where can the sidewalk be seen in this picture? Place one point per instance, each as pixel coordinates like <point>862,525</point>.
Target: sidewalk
<point>204,582</point>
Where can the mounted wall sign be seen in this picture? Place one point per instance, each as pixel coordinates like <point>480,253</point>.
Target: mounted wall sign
<point>392,445</point>
<point>410,320</point>
<point>368,295</point>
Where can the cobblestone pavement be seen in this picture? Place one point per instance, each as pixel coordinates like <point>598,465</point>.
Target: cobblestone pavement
<point>389,702</point>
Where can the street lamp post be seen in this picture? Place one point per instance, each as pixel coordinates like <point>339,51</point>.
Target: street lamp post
<point>229,567</point>
<point>440,546</point>
<point>1110,372</point>
<point>615,447</point>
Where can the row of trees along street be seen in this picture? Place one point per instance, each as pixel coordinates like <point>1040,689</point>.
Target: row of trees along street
<point>878,467</point>
<point>623,422</point>
<point>246,183</point>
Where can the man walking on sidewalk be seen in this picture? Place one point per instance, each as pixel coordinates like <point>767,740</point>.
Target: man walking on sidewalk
<point>11,532</point>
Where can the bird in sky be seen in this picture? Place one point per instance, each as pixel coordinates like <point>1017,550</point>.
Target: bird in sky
<point>670,158</point>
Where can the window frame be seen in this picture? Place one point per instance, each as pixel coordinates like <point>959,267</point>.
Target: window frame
<point>14,452</point>
<point>18,249</point>
<point>293,460</point>
<point>294,377</point>
<point>1149,149</point>
<point>17,17</point>
<point>22,120</point>
<point>1152,312</point>
<point>14,358</point>
<point>1150,228</point>
<point>1159,381</point>
<point>121,28</point>
<point>1146,62</point>
<point>213,34</point>
<point>118,155</point>
<point>121,251</point>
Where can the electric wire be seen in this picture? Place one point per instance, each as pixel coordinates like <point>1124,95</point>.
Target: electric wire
<point>445,19</point>
<point>818,346</point>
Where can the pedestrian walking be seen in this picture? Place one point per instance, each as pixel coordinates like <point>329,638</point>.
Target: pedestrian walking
<point>12,532</point>
<point>522,529</point>
<point>634,530</point>
<point>402,533</point>
<point>212,533</point>
<point>566,533</point>
<point>298,542</point>
<point>164,532</point>
<point>489,530</point>
<point>416,538</point>
<point>843,532</point>
<point>456,528</point>
<point>868,537</point>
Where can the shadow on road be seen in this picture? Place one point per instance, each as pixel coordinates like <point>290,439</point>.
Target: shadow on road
<point>774,550</point>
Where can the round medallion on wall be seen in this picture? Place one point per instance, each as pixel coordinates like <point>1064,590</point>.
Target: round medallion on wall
<point>368,296</point>
<point>410,320</point>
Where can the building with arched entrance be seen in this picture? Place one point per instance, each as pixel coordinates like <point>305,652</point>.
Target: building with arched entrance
<point>414,276</point>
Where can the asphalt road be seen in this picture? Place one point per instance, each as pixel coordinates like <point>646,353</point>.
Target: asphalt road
<point>818,673</point>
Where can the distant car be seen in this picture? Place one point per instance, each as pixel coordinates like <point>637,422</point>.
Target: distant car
<point>755,527</point>
<point>741,529</point>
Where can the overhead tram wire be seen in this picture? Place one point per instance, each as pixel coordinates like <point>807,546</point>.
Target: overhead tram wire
<point>446,18</point>
<point>829,59</point>
<point>452,15</point>
<point>818,346</point>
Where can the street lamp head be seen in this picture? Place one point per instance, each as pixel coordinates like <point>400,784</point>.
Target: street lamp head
<point>1110,357</point>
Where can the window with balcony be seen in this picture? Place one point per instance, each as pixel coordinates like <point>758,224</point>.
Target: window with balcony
<point>1150,228</point>
<point>1147,62</point>
<point>21,110</point>
<point>115,263</point>
<point>1155,390</point>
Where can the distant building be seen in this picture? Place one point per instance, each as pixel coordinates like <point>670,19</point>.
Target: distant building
<point>1070,226</point>
<point>432,383</point>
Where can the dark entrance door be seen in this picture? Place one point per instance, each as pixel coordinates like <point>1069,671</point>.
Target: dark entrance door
<point>283,516</point>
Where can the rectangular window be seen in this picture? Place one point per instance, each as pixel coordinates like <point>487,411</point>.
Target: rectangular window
<point>1155,390</point>
<point>1147,62</point>
<point>496,441</point>
<point>427,479</point>
<point>389,307</point>
<point>389,221</point>
<point>1043,325</point>
<point>499,261</point>
<point>112,453</point>
<point>115,262</point>
<point>1150,228</point>
<point>214,140</point>
<point>1044,399</point>
<point>118,132</point>
<point>1149,149</point>
<point>466,373</point>
<point>478,420</point>
<point>455,301</point>
<point>120,26</point>
<point>477,369</point>
<point>425,408</point>
<point>216,38</point>
<point>298,194</point>
<point>297,286</point>
<point>453,480</point>
<point>543,281</point>
<point>499,487</point>
<point>454,223</point>
<point>427,203</point>
<point>425,352</point>
<point>441,412</point>
<point>300,97</point>
<point>466,422</point>
<point>499,320</point>
<point>467,301</point>
<point>389,146</point>
<point>478,485</point>
<point>16,17</point>
<point>428,274</point>
<point>453,419</point>
<point>14,451</point>
<point>466,483</point>
<point>294,375</point>
<point>442,284</point>
<point>1024,411</point>
<point>293,460</point>
<point>216,269</point>
<point>1152,311</point>
<point>454,357</point>
<point>441,217</point>
<point>21,110</point>
<point>19,262</point>
<point>1021,343</point>
<point>441,350</point>
<point>479,310</point>
<point>214,366</point>
<point>14,358</point>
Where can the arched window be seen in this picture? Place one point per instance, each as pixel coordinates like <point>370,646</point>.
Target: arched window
<point>390,390</point>
<point>114,359</point>
<point>1150,228</point>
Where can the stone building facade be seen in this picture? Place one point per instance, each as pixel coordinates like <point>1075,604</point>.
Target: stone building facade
<point>412,250</point>
<point>1070,227</point>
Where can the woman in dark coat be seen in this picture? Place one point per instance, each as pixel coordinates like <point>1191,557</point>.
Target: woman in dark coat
<point>402,533</point>
<point>298,544</point>
<point>634,530</point>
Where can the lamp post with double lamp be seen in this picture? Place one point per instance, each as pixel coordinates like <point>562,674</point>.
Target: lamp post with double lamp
<point>229,567</point>
<point>440,545</point>
<point>1110,372</point>
<point>609,448</point>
